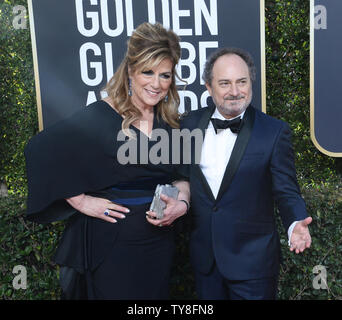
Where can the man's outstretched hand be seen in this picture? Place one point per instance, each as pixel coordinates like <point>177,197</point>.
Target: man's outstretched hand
<point>300,238</point>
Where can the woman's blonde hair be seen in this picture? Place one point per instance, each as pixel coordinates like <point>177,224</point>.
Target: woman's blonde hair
<point>146,48</point>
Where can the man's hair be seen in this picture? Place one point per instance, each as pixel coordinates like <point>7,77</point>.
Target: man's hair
<point>208,68</point>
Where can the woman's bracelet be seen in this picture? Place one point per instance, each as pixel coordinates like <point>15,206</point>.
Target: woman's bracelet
<point>187,205</point>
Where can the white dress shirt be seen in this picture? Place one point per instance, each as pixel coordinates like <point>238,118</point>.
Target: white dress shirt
<point>216,152</point>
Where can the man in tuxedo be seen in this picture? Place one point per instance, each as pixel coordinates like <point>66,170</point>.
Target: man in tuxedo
<point>246,166</point>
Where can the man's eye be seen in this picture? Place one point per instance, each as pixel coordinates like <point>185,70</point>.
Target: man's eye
<point>224,84</point>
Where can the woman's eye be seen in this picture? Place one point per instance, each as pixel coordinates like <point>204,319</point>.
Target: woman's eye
<point>166,76</point>
<point>148,72</point>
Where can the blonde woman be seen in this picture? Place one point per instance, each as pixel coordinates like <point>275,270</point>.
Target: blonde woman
<point>112,249</point>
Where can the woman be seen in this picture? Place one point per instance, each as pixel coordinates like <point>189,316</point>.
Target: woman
<point>110,248</point>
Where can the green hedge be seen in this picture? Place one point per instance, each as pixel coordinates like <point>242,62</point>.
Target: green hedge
<point>288,98</point>
<point>287,56</point>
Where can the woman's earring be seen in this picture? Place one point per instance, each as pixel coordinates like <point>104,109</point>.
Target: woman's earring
<point>129,87</point>
<point>166,98</point>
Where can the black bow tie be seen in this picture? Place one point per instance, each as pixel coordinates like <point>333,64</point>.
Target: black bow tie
<point>234,125</point>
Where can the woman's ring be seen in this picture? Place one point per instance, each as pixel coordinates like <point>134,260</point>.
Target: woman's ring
<point>106,213</point>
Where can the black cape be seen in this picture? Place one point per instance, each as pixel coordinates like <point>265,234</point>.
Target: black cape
<point>79,155</point>
<point>76,155</point>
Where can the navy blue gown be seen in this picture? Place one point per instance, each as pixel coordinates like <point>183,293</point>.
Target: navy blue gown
<point>130,259</point>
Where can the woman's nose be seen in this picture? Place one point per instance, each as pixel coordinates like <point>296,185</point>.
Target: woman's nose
<point>155,81</point>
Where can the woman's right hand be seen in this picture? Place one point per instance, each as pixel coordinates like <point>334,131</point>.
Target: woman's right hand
<point>96,207</point>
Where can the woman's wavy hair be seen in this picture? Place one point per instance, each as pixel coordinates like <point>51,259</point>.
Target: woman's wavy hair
<point>146,48</point>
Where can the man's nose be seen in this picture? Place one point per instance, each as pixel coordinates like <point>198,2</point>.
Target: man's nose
<point>234,90</point>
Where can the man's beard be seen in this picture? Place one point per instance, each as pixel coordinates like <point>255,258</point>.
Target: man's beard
<point>232,110</point>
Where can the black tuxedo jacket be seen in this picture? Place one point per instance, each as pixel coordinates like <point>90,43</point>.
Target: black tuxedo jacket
<point>238,229</point>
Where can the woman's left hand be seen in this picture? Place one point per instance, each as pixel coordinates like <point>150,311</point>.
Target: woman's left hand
<point>174,209</point>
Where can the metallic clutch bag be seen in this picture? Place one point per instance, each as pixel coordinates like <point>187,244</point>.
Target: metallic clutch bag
<point>159,205</point>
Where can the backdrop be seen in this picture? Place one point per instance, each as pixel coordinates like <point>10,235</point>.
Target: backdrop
<point>77,45</point>
<point>326,71</point>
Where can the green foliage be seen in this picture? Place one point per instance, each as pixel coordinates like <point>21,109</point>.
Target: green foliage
<point>18,111</point>
<point>288,98</point>
<point>324,203</point>
<point>30,245</point>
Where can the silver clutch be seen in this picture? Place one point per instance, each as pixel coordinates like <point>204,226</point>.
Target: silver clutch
<point>158,205</point>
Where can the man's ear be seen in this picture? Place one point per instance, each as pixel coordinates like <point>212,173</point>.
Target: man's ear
<point>208,87</point>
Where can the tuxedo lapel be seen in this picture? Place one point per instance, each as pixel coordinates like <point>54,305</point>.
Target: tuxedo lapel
<point>203,125</point>
<point>238,150</point>
<point>204,120</point>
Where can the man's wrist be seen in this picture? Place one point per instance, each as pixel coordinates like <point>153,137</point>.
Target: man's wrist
<point>290,230</point>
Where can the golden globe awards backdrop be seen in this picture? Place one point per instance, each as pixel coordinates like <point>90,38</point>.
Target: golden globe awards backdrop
<point>326,71</point>
<point>78,44</point>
